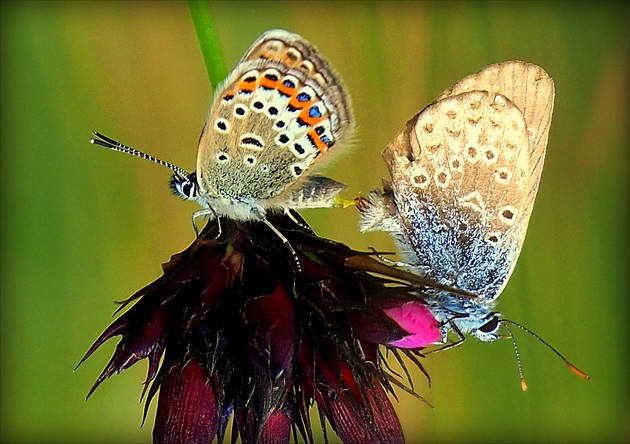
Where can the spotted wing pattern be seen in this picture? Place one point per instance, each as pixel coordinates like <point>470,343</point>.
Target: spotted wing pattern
<point>270,121</point>
<point>528,87</point>
<point>465,173</point>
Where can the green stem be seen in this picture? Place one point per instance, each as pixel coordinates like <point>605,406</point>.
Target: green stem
<point>208,40</point>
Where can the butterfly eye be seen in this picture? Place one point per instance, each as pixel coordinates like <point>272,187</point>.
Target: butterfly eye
<point>492,325</point>
<point>184,187</point>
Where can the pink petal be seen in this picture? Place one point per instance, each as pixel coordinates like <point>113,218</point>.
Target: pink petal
<point>418,321</point>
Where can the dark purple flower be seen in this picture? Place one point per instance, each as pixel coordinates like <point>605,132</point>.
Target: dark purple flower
<point>242,327</point>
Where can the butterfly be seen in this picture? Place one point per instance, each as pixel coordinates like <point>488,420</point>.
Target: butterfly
<point>465,172</point>
<point>271,121</point>
<point>464,176</point>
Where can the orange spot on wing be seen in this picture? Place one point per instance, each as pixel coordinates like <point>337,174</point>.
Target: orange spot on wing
<point>286,90</point>
<point>268,83</point>
<point>311,121</point>
<point>246,87</point>
<point>321,146</point>
<point>295,103</point>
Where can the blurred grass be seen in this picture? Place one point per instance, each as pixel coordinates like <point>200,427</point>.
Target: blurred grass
<point>208,40</point>
<point>82,227</point>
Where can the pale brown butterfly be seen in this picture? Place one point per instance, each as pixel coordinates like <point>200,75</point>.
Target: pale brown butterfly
<point>465,172</point>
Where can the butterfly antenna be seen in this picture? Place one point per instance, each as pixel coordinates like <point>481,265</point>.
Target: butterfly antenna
<point>572,367</point>
<point>518,359</point>
<point>114,145</point>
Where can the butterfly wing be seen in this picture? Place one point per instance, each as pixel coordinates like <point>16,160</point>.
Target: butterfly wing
<point>530,88</point>
<point>280,109</point>
<point>465,173</point>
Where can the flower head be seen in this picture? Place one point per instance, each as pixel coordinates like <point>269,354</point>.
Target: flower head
<point>239,325</point>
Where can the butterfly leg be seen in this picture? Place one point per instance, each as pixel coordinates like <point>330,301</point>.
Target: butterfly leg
<point>419,269</point>
<point>297,222</point>
<point>206,212</point>
<point>446,346</point>
<point>285,241</point>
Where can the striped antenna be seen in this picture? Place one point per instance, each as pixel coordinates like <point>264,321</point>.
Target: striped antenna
<point>114,145</point>
<point>572,367</point>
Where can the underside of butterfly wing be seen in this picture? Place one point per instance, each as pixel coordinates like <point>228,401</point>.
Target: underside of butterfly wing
<point>465,172</point>
<point>274,116</point>
<point>460,173</point>
<point>531,90</point>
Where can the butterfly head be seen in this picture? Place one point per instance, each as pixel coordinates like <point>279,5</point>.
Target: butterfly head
<point>474,316</point>
<point>185,186</point>
<point>489,330</point>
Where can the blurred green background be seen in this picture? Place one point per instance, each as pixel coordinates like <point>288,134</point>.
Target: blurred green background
<point>82,226</point>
